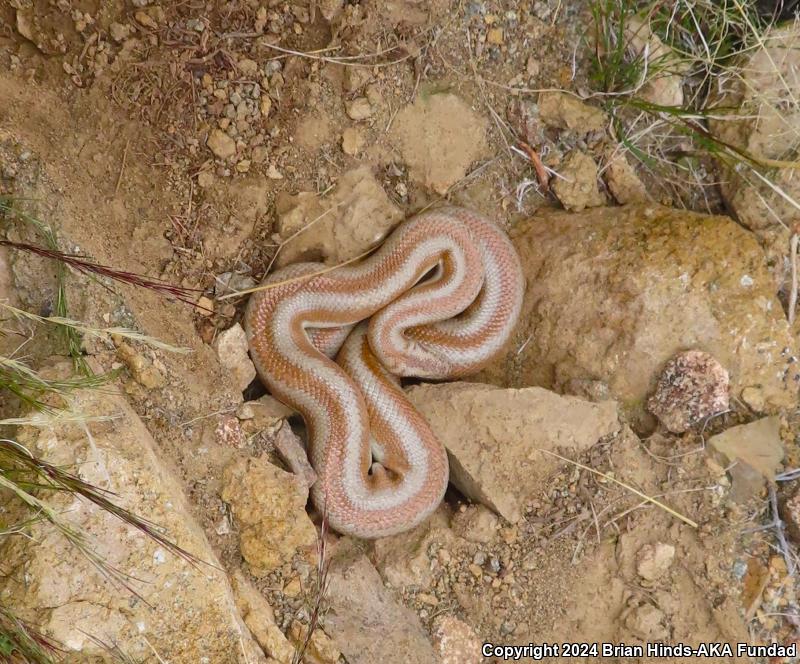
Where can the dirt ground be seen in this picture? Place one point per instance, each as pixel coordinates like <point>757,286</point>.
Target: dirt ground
<point>106,111</point>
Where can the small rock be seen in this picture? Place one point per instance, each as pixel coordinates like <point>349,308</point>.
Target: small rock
<point>260,619</point>
<point>144,19</point>
<point>355,78</point>
<point>577,189</point>
<point>623,183</point>
<point>205,179</point>
<point>204,306</point>
<point>265,106</point>
<point>248,67</point>
<point>352,141</point>
<point>229,432</point>
<point>476,524</point>
<point>231,346</point>
<point>754,398</point>
<point>320,649</point>
<point>245,412</point>
<point>269,505</point>
<point>359,109</point>
<point>119,32</point>
<point>646,623</point>
<point>665,86</point>
<point>495,36</point>
<point>757,444</point>
<point>222,145</point>
<point>455,641</point>
<point>692,388</point>
<point>654,560</point>
<point>260,154</point>
<point>273,173</point>
<point>293,453</point>
<point>564,111</point>
<point>142,370</point>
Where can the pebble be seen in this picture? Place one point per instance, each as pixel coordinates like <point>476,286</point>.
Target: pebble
<point>222,145</point>
<point>692,387</point>
<point>352,141</point>
<point>359,109</point>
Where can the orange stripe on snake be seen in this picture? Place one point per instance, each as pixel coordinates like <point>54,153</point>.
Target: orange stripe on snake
<point>439,299</point>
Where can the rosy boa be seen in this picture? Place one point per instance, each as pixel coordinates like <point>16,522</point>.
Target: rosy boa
<point>444,293</point>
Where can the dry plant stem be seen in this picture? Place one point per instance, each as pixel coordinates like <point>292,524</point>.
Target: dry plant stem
<point>647,498</point>
<point>302,277</point>
<point>793,292</point>
<point>320,590</point>
<point>780,528</point>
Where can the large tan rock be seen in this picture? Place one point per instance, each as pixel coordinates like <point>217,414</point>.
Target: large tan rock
<point>183,611</point>
<point>614,293</point>
<point>269,506</point>
<point>765,123</point>
<point>494,436</point>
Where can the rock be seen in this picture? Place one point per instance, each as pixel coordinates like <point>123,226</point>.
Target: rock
<point>757,444</point>
<point>359,108</point>
<point>664,86</point>
<point>355,78</point>
<point>260,619</point>
<point>564,111</point>
<point>493,437</point>
<point>144,19</point>
<point>404,560</point>
<point>119,32</point>
<point>205,179</point>
<point>476,524</point>
<point>231,347</point>
<point>439,137</point>
<point>692,388</point>
<point>495,36</point>
<point>269,505</point>
<point>455,641</point>
<point>184,611</point>
<point>790,513</point>
<point>622,181</point>
<point>222,145</point>
<point>654,561</point>
<point>247,67</point>
<point>364,621</point>
<point>352,141</point>
<point>355,216</point>
<point>765,123</point>
<point>646,622</point>
<point>143,370</point>
<point>293,453</point>
<point>576,188</point>
<point>668,280</point>
<point>264,106</point>
<point>320,649</point>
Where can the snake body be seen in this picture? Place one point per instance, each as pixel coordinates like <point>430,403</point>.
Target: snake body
<point>438,299</point>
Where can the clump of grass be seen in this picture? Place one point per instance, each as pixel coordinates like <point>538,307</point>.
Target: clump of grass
<point>34,481</point>
<point>704,42</point>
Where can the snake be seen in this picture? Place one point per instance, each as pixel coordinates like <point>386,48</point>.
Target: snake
<point>438,299</point>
